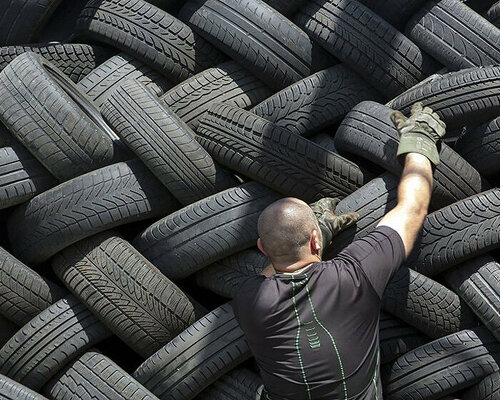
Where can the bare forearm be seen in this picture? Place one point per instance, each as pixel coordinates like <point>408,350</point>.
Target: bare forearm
<point>414,193</point>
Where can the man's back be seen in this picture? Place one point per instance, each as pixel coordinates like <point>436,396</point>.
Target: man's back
<point>315,334</point>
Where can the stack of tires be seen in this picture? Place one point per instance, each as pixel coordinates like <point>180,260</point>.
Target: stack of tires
<point>141,140</point>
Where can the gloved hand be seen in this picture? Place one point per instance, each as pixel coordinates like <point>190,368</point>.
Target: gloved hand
<point>329,222</point>
<point>420,133</point>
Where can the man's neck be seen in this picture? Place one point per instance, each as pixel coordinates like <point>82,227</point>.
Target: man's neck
<point>287,268</point>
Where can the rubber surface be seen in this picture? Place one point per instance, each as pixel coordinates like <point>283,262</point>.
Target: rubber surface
<point>94,376</point>
<point>48,122</point>
<point>21,176</point>
<point>487,389</point>
<point>12,390</point>
<point>206,231</point>
<point>354,34</point>
<point>286,7</point>
<point>128,294</point>
<point>149,34</point>
<point>455,35</point>
<point>395,12</point>
<point>228,83</point>
<point>316,102</point>
<point>458,97</point>
<point>197,357</point>
<point>239,384</point>
<point>164,143</point>
<point>100,200</point>
<point>477,281</point>
<point>102,81</point>
<point>8,330</point>
<point>287,163</point>
<point>75,60</point>
<point>368,132</point>
<point>49,341</point>
<point>23,292</point>
<point>493,14</point>
<point>259,38</point>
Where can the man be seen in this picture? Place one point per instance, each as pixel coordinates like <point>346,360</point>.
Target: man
<point>311,325</point>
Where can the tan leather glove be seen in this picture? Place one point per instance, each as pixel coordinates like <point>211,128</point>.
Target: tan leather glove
<point>420,133</point>
<point>329,222</point>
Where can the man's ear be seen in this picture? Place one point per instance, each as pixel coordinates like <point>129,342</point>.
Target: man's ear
<point>261,246</point>
<point>315,242</point>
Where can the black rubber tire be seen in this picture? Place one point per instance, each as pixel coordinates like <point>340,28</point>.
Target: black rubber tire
<point>478,282</point>
<point>149,34</point>
<point>225,276</point>
<point>368,132</point>
<point>38,109</point>
<point>239,384</point>
<point>487,389</point>
<point>317,101</point>
<point>455,35</point>
<point>102,81</point>
<point>258,37</point>
<point>458,97</point>
<point>95,376</point>
<point>42,347</point>
<point>458,233</point>
<point>426,305</point>
<point>442,367</point>
<point>196,358</point>
<point>100,200</point>
<point>286,7</point>
<point>395,12</point>
<point>493,14</point>
<point>397,338</point>
<point>21,176</point>
<point>481,147</point>
<point>8,330</point>
<point>365,42</point>
<point>126,292</point>
<point>12,390</point>
<point>325,140</point>
<point>164,143</point>
<point>74,60</point>
<point>206,231</point>
<point>23,293</point>
<point>228,83</point>
<point>22,20</point>
<point>262,151</point>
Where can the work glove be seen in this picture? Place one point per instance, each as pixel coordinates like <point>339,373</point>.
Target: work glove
<point>330,223</point>
<point>420,133</point>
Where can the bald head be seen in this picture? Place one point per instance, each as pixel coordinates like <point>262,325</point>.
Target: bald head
<point>285,229</point>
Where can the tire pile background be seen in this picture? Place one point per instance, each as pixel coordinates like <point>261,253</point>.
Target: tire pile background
<point>137,154</point>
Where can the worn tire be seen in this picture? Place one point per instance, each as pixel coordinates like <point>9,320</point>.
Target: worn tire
<point>442,367</point>
<point>262,151</point>
<point>105,79</point>
<point>196,358</point>
<point>493,14</point>
<point>164,143</point>
<point>39,108</point>
<point>458,97</point>
<point>24,293</point>
<point>481,147</point>
<point>239,384</point>
<point>49,341</point>
<point>95,376</point>
<point>74,60</point>
<point>21,176</point>
<point>228,83</point>
<point>12,390</point>
<point>128,294</point>
<point>455,35</point>
<point>457,233</point>
<point>487,389</point>
<point>426,305</point>
<point>206,231</point>
<point>368,132</point>
<point>149,34</point>
<point>395,12</point>
<point>100,200</point>
<point>22,20</point>
<point>350,31</point>
<point>478,282</point>
<point>259,37</point>
<point>317,101</point>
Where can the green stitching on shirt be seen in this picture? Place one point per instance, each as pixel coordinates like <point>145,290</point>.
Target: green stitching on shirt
<point>297,344</point>
<point>375,375</point>
<point>331,338</point>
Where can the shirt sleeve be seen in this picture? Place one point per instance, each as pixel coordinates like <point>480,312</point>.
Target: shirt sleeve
<point>379,254</point>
